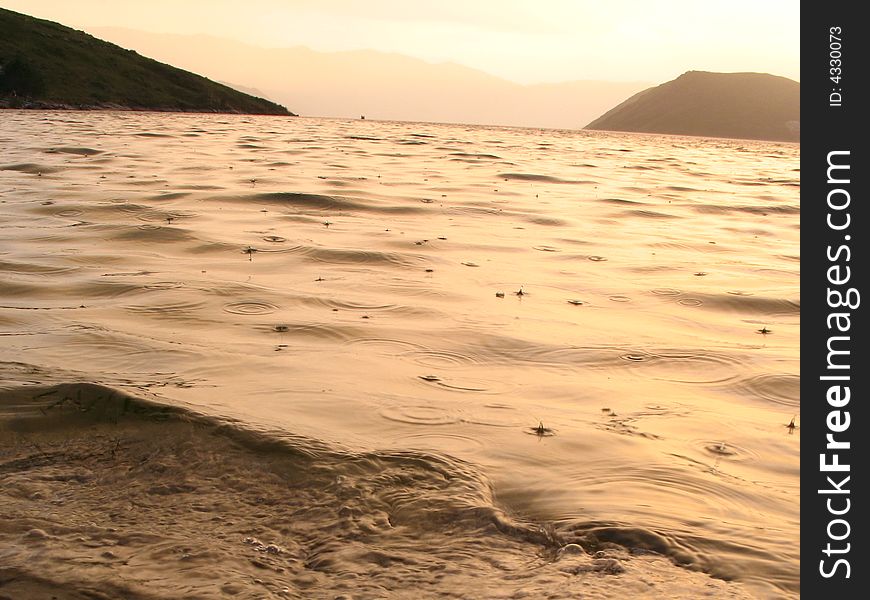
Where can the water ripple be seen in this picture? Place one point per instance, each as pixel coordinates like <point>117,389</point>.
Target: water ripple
<point>251,307</point>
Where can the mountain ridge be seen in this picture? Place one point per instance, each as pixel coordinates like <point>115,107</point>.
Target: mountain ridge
<point>380,85</point>
<point>44,64</point>
<point>729,105</point>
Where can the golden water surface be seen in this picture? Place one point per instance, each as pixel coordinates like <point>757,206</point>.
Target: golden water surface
<point>403,359</point>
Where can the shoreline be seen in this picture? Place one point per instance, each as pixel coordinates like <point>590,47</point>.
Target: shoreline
<point>7,104</point>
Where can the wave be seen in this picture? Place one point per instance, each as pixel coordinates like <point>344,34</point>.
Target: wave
<point>753,305</point>
<point>30,168</point>
<point>78,150</point>
<point>541,178</point>
<point>777,209</point>
<point>150,500</point>
<point>321,202</point>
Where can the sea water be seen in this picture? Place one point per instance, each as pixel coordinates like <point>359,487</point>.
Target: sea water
<point>287,357</point>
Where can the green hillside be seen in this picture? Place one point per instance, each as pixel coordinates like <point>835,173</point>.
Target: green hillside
<point>44,64</point>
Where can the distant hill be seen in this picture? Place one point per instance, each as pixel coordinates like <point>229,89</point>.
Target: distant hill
<point>731,105</point>
<point>44,64</point>
<point>379,85</point>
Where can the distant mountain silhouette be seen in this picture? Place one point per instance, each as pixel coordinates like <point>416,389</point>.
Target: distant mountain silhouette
<point>730,105</point>
<point>47,65</point>
<point>379,85</point>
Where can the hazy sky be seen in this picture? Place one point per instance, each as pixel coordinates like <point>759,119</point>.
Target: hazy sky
<point>527,41</point>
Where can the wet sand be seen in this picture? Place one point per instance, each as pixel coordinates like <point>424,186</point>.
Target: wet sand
<point>257,357</point>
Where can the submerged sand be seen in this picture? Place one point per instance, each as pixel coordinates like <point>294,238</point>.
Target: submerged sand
<point>245,357</point>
